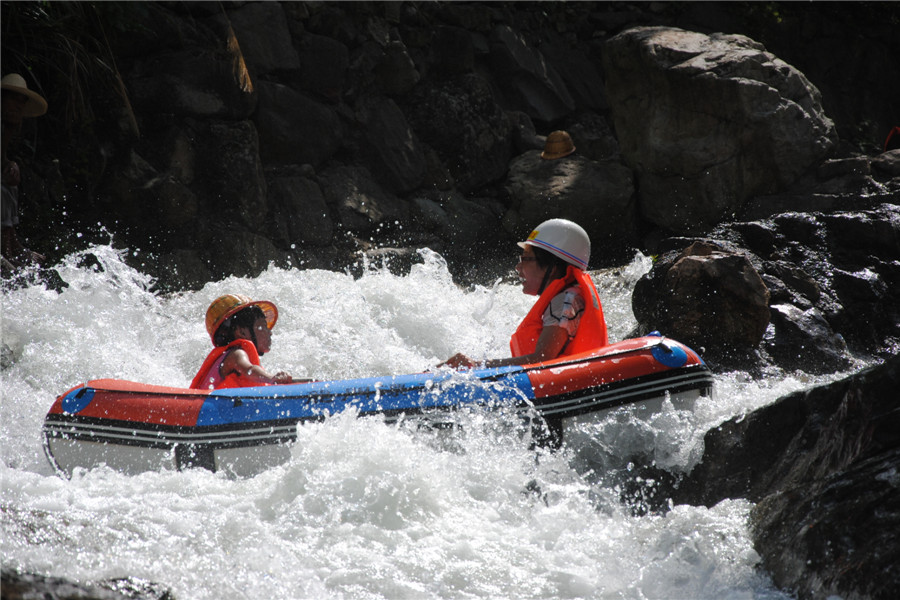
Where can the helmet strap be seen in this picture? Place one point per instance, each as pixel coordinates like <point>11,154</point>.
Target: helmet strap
<point>547,279</point>
<point>551,275</point>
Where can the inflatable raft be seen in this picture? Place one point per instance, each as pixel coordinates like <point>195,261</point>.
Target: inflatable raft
<point>134,427</point>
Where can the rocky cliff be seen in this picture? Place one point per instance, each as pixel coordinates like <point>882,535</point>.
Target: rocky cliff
<point>214,138</point>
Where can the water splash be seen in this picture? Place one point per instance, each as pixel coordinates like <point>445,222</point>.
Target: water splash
<point>363,508</point>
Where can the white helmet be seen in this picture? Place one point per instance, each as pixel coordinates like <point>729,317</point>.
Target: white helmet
<point>564,239</point>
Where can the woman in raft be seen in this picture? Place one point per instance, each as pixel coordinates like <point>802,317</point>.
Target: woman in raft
<point>567,317</point>
<point>241,331</point>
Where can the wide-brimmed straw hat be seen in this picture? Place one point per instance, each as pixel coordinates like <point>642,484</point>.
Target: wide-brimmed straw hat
<point>36,105</point>
<point>559,144</point>
<point>229,304</point>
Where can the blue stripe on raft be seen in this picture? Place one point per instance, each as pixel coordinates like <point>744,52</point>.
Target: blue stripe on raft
<point>77,400</point>
<point>670,355</point>
<point>502,386</point>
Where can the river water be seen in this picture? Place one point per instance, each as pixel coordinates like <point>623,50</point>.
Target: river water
<point>364,510</point>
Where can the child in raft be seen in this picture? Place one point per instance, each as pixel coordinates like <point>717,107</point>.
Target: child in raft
<point>241,331</point>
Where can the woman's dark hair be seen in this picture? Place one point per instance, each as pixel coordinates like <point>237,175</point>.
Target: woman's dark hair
<point>555,266</point>
<point>246,317</point>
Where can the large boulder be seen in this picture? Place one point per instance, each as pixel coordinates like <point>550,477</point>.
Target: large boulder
<point>706,297</point>
<point>708,121</point>
<point>598,195</point>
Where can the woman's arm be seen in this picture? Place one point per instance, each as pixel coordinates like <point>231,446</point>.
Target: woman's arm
<point>549,344</point>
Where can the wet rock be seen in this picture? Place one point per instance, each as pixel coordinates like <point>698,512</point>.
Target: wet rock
<point>238,252</point>
<point>177,269</point>
<point>887,165</point>
<point>24,586</point>
<point>873,232</point>
<point>472,224</point>
<point>822,467</point>
<point>772,448</point>
<point>363,207</point>
<point>706,297</point>
<point>842,264</point>
<point>803,339</point>
<point>708,122</point>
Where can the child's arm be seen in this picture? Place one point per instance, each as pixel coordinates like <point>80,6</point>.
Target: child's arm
<point>237,361</point>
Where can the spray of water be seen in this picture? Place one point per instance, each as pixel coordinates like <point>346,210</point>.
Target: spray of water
<point>363,509</point>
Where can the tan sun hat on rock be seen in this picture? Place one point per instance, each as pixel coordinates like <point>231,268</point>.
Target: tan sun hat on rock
<point>36,105</point>
<point>559,144</point>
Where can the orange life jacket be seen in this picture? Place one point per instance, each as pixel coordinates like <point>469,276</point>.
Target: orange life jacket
<point>210,377</point>
<point>591,329</point>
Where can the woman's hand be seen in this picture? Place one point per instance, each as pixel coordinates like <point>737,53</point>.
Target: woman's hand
<point>282,377</point>
<point>458,361</point>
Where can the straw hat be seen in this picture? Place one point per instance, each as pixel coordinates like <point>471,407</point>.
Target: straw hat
<point>558,144</point>
<point>227,305</point>
<point>36,105</point>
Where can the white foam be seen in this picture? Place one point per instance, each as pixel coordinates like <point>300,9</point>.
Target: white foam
<point>363,509</point>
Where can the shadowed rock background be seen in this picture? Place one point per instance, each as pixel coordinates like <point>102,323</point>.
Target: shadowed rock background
<point>741,144</point>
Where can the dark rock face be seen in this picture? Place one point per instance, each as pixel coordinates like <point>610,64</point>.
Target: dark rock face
<point>822,467</point>
<point>677,129</point>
